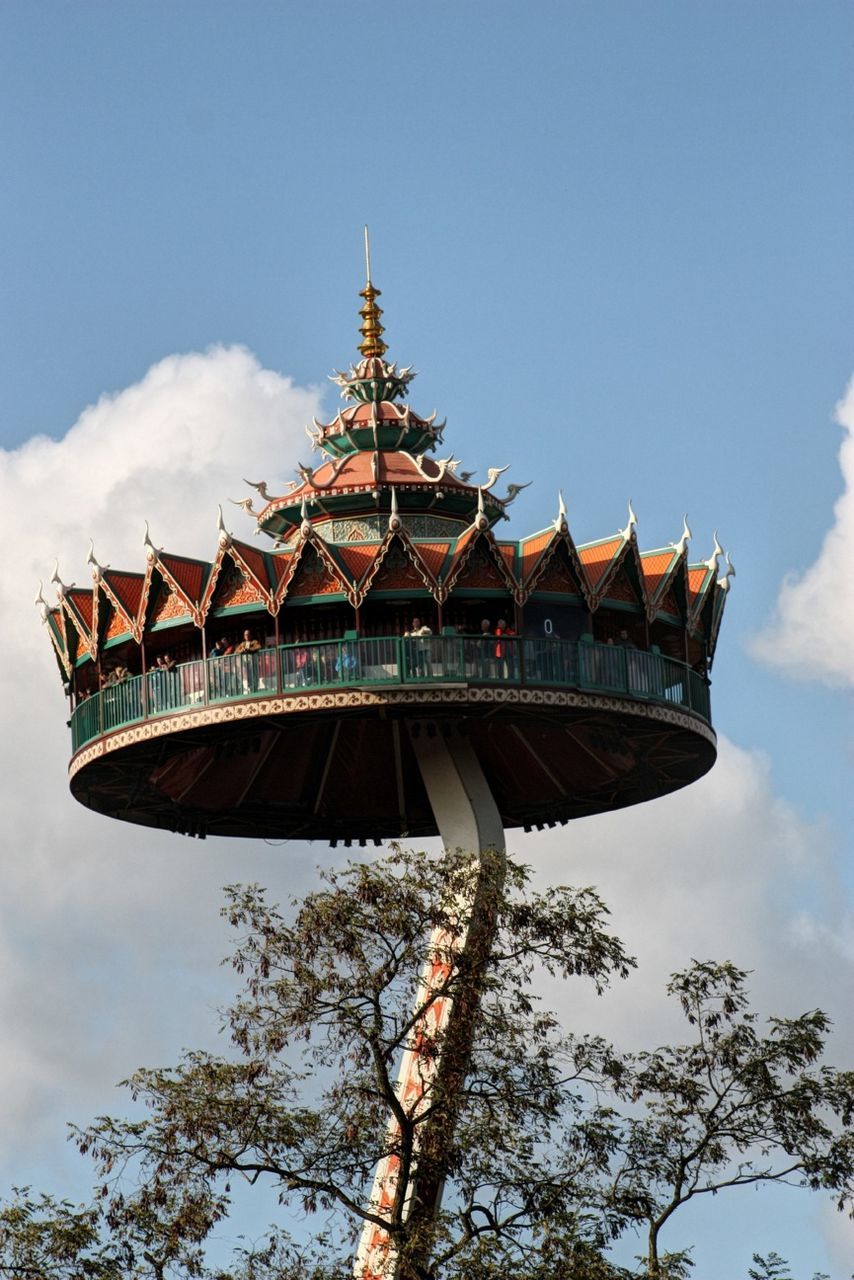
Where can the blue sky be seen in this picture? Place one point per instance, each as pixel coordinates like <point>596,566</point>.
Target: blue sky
<point>615,239</point>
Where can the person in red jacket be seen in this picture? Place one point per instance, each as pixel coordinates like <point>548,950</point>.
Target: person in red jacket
<point>505,654</point>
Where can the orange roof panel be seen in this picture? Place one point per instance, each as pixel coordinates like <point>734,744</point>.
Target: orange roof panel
<point>127,588</point>
<point>357,558</point>
<point>434,555</point>
<point>598,558</point>
<point>190,575</point>
<point>81,603</point>
<point>532,550</point>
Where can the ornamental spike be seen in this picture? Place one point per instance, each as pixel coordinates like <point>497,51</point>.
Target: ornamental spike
<point>481,520</point>
<point>260,486</point>
<point>513,491</point>
<point>626,533</point>
<point>492,474</point>
<point>305,523</point>
<point>224,536</point>
<point>57,581</point>
<point>394,521</point>
<point>681,545</point>
<point>712,562</point>
<point>41,602</point>
<point>560,519</point>
<point>148,544</point>
<point>97,569</point>
<point>371,328</point>
<point>724,581</point>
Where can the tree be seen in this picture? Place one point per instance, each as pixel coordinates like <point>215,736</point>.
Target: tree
<point>773,1267</point>
<point>561,1144</point>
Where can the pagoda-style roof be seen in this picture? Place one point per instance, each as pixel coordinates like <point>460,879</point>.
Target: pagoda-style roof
<point>379,517</point>
<point>373,481</point>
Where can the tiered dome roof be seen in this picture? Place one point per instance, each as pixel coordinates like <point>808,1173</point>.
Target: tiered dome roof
<point>379,512</point>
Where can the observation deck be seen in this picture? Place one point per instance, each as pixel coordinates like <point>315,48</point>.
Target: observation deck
<point>312,740</point>
<point>275,690</point>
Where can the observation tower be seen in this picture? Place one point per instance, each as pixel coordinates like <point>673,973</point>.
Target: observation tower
<point>380,662</point>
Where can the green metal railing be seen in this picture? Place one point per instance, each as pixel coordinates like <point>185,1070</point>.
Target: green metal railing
<point>391,660</point>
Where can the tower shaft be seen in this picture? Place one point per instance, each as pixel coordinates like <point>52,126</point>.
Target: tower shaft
<point>468,819</point>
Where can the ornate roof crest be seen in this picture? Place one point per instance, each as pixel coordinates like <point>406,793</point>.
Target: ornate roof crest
<point>373,379</point>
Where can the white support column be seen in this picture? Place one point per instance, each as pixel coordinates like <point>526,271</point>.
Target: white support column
<point>468,819</point>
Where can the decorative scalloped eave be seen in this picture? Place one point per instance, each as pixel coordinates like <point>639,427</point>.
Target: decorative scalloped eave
<point>474,537</point>
<point>125,592</point>
<point>658,567</point>
<point>55,624</point>
<point>628,566</point>
<point>187,577</point>
<point>554,540</point>
<point>79,607</point>
<point>320,547</point>
<point>255,566</point>
<point>398,536</point>
<point>600,560</point>
<point>701,579</point>
<point>719,599</point>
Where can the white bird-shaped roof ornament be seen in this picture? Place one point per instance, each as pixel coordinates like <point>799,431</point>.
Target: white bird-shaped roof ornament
<point>685,539</point>
<point>224,536</point>
<point>260,486</point>
<point>148,544</point>
<point>626,533</point>
<point>724,581</point>
<point>560,519</point>
<point>61,588</point>
<point>97,569</point>
<point>492,474</point>
<point>246,504</point>
<point>712,562</point>
<point>444,465</point>
<point>513,491</point>
<point>42,603</point>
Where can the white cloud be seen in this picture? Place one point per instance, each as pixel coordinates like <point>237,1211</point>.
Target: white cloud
<point>838,1230</point>
<point>724,869</point>
<point>99,920</point>
<point>809,635</point>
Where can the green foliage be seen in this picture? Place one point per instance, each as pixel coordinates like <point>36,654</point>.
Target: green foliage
<point>46,1239</point>
<point>773,1267</point>
<point>556,1147</point>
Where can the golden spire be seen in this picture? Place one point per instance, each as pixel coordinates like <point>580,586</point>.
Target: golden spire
<point>371,329</point>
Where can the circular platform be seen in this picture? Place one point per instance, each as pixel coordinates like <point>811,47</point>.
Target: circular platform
<point>242,749</point>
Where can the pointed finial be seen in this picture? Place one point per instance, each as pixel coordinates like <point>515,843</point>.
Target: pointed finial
<point>57,581</point>
<point>394,522</point>
<point>224,535</point>
<point>151,550</point>
<point>305,523</point>
<point>712,562</point>
<point>685,539</point>
<point>42,603</point>
<point>626,533</point>
<point>724,581</point>
<point>560,519</point>
<point>97,569</point>
<point>371,328</point>
<point>481,520</point>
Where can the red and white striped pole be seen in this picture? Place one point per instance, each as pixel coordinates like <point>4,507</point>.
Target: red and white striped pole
<point>468,819</point>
